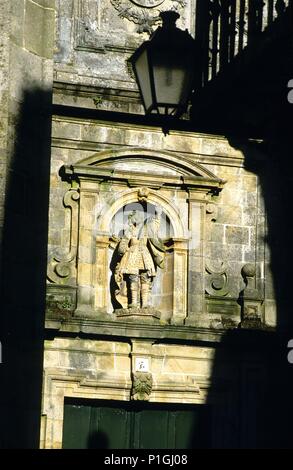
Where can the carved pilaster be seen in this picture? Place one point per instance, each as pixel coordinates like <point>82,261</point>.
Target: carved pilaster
<point>195,256</point>
<point>102,266</point>
<point>86,273</point>
<point>180,282</point>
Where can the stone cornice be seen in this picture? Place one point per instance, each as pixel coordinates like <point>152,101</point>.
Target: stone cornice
<point>182,334</point>
<point>140,178</point>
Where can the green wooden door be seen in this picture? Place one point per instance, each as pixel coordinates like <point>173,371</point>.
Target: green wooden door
<point>119,425</point>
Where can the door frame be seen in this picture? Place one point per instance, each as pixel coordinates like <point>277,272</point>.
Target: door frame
<point>58,386</point>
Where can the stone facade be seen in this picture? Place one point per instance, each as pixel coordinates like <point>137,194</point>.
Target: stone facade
<point>216,278</point>
<point>215,209</point>
<point>213,280</point>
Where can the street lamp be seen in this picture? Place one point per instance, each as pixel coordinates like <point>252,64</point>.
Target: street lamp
<point>164,68</point>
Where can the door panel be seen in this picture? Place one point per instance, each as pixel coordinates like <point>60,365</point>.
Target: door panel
<point>187,425</point>
<point>134,425</point>
<point>151,429</point>
<point>77,426</point>
<point>109,428</point>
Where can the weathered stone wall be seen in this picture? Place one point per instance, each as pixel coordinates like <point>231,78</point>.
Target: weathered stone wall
<point>233,229</point>
<point>106,369</point>
<point>4,84</point>
<point>94,41</point>
<point>103,370</point>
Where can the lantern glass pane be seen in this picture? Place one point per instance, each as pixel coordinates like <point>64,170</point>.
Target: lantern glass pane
<point>168,84</point>
<point>142,71</point>
<point>170,70</point>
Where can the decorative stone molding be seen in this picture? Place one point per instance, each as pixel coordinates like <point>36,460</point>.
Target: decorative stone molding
<point>61,267</point>
<point>87,27</point>
<point>129,196</point>
<point>250,299</point>
<point>109,181</point>
<point>217,280</point>
<point>86,38</point>
<point>142,386</point>
<point>114,372</point>
<point>58,385</point>
<point>212,211</point>
<point>143,193</point>
<point>143,313</point>
<point>145,13</point>
<point>179,248</point>
<point>93,34</point>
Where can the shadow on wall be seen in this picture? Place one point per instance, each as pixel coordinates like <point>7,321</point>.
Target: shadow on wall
<point>251,376</point>
<point>251,394</point>
<point>23,273</point>
<point>266,386</point>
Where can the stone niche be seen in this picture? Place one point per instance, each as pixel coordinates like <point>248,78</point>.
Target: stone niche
<point>137,231</point>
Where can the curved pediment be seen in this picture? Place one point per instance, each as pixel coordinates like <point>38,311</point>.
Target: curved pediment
<point>148,161</point>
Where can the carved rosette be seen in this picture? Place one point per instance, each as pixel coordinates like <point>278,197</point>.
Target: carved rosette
<point>145,13</point>
<point>142,383</point>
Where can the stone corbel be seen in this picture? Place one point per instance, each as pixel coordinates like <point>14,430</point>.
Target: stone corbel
<point>142,383</point>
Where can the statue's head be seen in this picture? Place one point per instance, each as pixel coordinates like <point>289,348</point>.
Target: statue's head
<point>158,211</point>
<point>136,218</point>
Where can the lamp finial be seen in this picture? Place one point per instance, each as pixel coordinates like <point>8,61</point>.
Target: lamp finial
<point>169,18</point>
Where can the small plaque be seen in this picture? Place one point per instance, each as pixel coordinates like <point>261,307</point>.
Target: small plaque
<point>141,364</point>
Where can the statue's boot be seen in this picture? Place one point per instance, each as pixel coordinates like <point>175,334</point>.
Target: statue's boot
<point>134,295</point>
<point>145,292</point>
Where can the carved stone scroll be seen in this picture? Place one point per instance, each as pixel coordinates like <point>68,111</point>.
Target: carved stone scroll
<point>62,264</point>
<point>216,280</point>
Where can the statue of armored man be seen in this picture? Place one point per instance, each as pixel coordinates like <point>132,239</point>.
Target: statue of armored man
<point>140,252</point>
